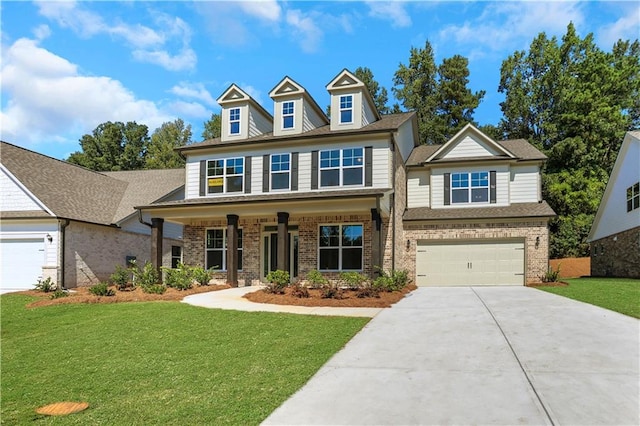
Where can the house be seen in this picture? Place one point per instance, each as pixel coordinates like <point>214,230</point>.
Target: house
<point>615,234</point>
<point>74,225</point>
<point>300,191</point>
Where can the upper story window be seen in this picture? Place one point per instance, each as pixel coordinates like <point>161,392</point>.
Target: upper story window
<point>225,175</point>
<point>280,171</point>
<point>633,197</point>
<point>216,249</point>
<point>340,247</point>
<point>470,187</point>
<point>287,115</point>
<point>346,109</point>
<point>234,121</point>
<point>341,167</point>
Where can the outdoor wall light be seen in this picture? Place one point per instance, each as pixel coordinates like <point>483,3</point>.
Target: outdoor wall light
<point>537,242</point>
<point>49,238</point>
<point>408,244</point>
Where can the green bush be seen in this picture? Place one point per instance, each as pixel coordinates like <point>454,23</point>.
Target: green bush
<point>146,276</point>
<point>353,280</point>
<point>179,278</point>
<point>45,286</point>
<point>395,281</point>
<point>277,281</point>
<point>299,290</point>
<point>200,275</point>
<point>316,279</point>
<point>551,276</point>
<point>58,294</point>
<point>101,289</point>
<point>368,290</point>
<point>154,288</point>
<point>330,291</point>
<point>121,279</point>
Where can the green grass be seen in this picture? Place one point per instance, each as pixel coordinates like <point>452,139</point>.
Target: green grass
<point>158,362</point>
<point>618,294</point>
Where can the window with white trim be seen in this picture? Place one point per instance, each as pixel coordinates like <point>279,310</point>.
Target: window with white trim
<point>234,121</point>
<point>633,197</point>
<point>225,175</point>
<point>340,247</point>
<point>342,167</point>
<point>176,256</point>
<point>280,171</point>
<point>470,187</point>
<point>287,115</point>
<point>216,249</point>
<point>346,109</point>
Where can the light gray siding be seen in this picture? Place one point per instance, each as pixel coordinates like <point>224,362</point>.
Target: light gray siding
<point>258,123</point>
<point>418,188</point>
<point>525,184</point>
<point>469,147</point>
<point>13,197</point>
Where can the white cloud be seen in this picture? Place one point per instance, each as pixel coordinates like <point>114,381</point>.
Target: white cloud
<point>41,32</point>
<point>625,28</point>
<point>268,10</point>
<point>252,91</point>
<point>148,44</point>
<point>393,11</point>
<point>193,90</point>
<point>189,109</point>
<point>304,26</point>
<point>46,95</point>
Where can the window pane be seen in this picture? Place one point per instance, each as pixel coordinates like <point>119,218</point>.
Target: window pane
<point>215,238</point>
<point>352,258</point>
<point>234,114</point>
<point>280,181</point>
<point>330,158</point>
<point>636,188</point>
<point>352,176</point>
<point>235,127</point>
<point>479,195</point>
<point>460,180</point>
<point>328,259</point>
<point>352,235</point>
<point>636,202</point>
<point>330,177</point>
<point>629,205</point>
<point>329,236</point>
<point>460,196</point>
<point>215,168</point>
<point>287,108</point>
<point>346,101</point>
<point>479,179</point>
<point>239,238</point>
<point>214,259</point>
<point>176,251</point>
<point>287,121</point>
<point>346,116</point>
<point>234,184</point>
<point>239,260</point>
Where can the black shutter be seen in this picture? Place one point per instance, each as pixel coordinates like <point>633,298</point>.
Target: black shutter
<point>247,174</point>
<point>492,187</point>
<point>447,189</point>
<point>203,177</point>
<point>265,173</point>
<point>314,169</point>
<point>294,171</point>
<point>368,166</point>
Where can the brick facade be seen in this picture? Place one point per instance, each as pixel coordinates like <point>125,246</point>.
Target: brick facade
<point>536,250</point>
<point>617,255</point>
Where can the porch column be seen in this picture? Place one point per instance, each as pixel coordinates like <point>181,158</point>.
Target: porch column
<point>157,226</point>
<point>283,241</point>
<point>376,251</point>
<point>232,250</point>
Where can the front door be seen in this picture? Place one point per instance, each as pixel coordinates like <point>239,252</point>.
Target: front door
<point>270,253</point>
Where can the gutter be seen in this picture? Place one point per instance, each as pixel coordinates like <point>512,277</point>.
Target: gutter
<point>62,224</point>
<point>393,201</point>
<point>142,220</point>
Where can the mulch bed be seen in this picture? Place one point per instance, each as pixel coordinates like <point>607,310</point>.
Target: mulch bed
<point>82,295</point>
<point>553,284</point>
<point>349,299</point>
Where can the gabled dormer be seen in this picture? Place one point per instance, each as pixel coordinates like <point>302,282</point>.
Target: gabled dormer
<point>294,109</point>
<point>242,117</point>
<point>351,104</point>
<point>470,144</point>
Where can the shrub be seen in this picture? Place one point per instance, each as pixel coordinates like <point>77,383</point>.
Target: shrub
<point>277,281</point>
<point>330,291</point>
<point>551,276</point>
<point>179,278</point>
<point>154,289</point>
<point>299,290</point>
<point>145,277</point>
<point>316,279</point>
<point>200,275</point>
<point>58,294</point>
<point>395,281</point>
<point>46,286</point>
<point>101,289</point>
<point>120,278</point>
<point>368,290</point>
<point>353,280</point>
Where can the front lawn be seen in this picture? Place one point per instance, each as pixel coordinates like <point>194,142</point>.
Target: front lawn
<point>618,294</point>
<point>158,362</point>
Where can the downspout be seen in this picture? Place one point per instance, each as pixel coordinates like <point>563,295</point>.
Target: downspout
<point>393,203</point>
<point>141,220</point>
<point>62,225</point>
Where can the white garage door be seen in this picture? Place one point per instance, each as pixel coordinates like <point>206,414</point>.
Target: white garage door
<point>22,261</point>
<point>470,263</point>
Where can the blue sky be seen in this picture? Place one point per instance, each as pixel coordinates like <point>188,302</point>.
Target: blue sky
<point>69,66</point>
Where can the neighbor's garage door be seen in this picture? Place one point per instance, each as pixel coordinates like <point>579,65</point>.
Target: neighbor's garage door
<point>470,263</point>
<point>22,261</point>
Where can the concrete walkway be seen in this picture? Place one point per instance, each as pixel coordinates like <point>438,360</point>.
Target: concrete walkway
<point>232,299</point>
<point>481,355</point>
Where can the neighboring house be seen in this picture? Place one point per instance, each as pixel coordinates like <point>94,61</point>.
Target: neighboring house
<point>301,191</point>
<point>74,225</point>
<point>615,234</point>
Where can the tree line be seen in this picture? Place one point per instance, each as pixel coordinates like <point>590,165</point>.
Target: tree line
<point>566,96</point>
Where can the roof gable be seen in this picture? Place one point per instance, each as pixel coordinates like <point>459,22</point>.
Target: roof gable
<point>345,79</point>
<point>286,87</point>
<point>233,94</point>
<point>470,143</point>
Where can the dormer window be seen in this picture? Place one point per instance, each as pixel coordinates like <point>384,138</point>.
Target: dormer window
<point>346,109</point>
<point>287,115</point>
<point>234,121</point>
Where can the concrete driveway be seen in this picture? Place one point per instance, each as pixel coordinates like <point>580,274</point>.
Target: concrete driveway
<point>479,355</point>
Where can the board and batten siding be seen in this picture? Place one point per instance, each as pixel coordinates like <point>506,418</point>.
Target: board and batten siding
<point>13,196</point>
<point>525,184</point>
<point>502,185</point>
<point>381,165</point>
<point>418,188</point>
<point>469,147</point>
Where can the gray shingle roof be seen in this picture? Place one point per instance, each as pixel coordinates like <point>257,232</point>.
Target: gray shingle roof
<point>520,148</point>
<point>524,210</point>
<point>387,123</point>
<point>73,192</point>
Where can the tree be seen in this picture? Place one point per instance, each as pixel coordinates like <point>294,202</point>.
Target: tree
<point>113,146</point>
<point>379,94</point>
<point>574,102</point>
<point>161,153</point>
<point>212,127</point>
<point>439,94</point>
